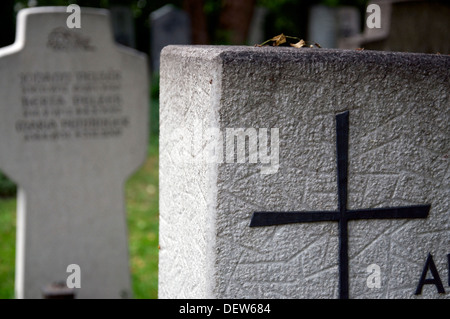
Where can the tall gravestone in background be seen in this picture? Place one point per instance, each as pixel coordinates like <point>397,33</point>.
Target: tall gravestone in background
<point>73,127</point>
<point>123,25</point>
<point>329,25</point>
<point>168,25</point>
<point>354,196</point>
<point>397,31</point>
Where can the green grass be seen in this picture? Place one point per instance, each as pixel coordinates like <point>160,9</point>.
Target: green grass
<point>142,192</point>
<point>7,247</point>
<point>142,216</point>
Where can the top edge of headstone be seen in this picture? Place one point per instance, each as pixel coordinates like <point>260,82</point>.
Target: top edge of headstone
<point>24,14</point>
<point>162,11</point>
<point>32,24</point>
<point>60,9</point>
<point>229,53</point>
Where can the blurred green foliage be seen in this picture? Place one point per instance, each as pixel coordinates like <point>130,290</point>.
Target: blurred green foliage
<point>286,16</point>
<point>291,16</point>
<point>7,187</point>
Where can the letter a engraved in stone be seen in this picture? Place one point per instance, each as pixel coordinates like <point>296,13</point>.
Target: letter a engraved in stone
<point>436,280</point>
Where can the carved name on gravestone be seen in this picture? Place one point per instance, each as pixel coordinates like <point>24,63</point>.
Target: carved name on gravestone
<point>361,182</point>
<point>73,127</point>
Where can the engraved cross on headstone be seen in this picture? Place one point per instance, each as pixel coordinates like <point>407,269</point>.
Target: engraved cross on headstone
<point>342,215</point>
<point>73,128</point>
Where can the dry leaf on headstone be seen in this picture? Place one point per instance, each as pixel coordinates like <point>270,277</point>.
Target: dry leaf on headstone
<point>299,44</point>
<point>279,39</point>
<point>286,40</point>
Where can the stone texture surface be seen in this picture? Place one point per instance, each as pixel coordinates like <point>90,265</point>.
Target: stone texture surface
<point>73,127</point>
<point>398,155</point>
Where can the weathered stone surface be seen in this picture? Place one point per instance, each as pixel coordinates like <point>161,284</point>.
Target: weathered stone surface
<point>398,155</point>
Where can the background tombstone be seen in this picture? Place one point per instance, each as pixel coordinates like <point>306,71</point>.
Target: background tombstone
<point>349,21</point>
<point>322,26</point>
<point>398,141</point>
<point>73,127</point>
<point>329,25</point>
<point>168,25</point>
<point>256,32</point>
<point>399,28</point>
<point>123,25</point>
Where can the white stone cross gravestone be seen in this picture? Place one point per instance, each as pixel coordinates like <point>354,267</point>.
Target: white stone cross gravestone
<point>73,127</point>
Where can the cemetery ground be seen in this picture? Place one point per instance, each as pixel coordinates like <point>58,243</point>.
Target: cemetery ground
<point>141,191</point>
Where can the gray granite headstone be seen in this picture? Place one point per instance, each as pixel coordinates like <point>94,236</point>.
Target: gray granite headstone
<point>123,25</point>
<point>349,21</point>
<point>256,32</point>
<point>323,26</point>
<point>168,25</point>
<point>328,25</point>
<point>398,27</point>
<point>73,127</point>
<point>220,100</point>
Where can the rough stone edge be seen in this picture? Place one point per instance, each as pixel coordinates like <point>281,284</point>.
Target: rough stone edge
<point>212,55</point>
